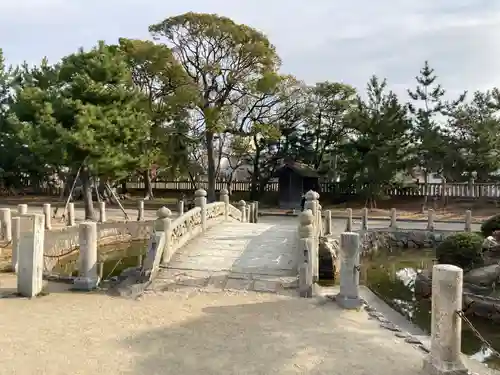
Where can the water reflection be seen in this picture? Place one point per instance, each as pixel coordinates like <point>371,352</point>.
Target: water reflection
<point>392,277</point>
<point>112,259</point>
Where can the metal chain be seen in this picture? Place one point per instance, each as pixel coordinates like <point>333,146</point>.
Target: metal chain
<point>6,245</point>
<point>461,314</point>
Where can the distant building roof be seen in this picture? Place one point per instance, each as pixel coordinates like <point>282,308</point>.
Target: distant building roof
<point>299,168</point>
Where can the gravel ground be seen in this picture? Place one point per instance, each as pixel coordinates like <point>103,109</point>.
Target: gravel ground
<point>192,333</point>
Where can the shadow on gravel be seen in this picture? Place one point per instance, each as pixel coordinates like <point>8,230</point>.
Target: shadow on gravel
<point>290,336</point>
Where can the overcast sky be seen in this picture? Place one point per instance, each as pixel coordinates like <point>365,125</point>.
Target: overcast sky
<point>318,39</point>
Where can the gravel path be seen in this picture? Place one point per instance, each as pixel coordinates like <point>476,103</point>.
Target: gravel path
<point>192,333</point>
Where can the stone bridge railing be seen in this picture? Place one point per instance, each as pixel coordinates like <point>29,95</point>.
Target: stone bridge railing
<point>32,242</point>
<point>310,229</point>
<point>179,231</point>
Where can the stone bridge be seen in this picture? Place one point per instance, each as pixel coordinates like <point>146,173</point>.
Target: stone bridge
<point>220,246</point>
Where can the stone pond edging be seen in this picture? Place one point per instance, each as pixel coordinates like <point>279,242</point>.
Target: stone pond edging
<point>62,242</point>
<point>387,238</point>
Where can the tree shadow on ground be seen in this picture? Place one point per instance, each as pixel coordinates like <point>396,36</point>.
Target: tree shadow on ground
<point>284,336</point>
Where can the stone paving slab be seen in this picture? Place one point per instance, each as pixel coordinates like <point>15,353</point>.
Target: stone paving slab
<point>236,256</point>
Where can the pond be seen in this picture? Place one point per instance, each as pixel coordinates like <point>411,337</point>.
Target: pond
<point>113,259</point>
<point>392,276</point>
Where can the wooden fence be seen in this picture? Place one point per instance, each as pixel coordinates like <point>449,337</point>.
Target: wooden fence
<point>458,190</point>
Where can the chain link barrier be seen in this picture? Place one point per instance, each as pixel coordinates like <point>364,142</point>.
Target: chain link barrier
<point>485,342</point>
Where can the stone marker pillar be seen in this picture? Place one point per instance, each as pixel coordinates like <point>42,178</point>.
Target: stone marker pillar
<point>364,219</point>
<point>306,247</point>
<point>348,298</point>
<point>30,260</point>
<point>249,219</point>
<point>446,325</point>
<point>16,234</point>
<point>47,214</point>
<point>200,200</point>
<point>256,218</point>
<point>394,219</point>
<point>140,210</point>
<point>224,197</point>
<point>242,204</point>
<point>328,222</point>
<point>180,207</point>
<point>162,224</point>
<point>22,209</point>
<point>252,212</point>
<point>71,214</point>
<point>102,212</point>
<point>348,226</point>
<point>468,221</point>
<point>430,219</point>
<point>6,224</point>
<point>88,274</point>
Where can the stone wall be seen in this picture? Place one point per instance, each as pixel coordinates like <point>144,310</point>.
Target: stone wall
<point>375,239</point>
<point>64,241</point>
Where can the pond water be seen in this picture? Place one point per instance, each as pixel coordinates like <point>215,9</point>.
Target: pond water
<point>392,276</point>
<point>113,259</point>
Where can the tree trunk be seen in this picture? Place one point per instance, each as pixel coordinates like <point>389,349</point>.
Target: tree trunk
<point>87,194</point>
<point>148,185</point>
<point>209,138</point>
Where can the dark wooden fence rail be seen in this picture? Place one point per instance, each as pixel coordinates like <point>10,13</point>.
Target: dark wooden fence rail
<point>491,190</point>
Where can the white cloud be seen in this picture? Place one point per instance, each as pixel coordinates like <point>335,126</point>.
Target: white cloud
<point>318,40</point>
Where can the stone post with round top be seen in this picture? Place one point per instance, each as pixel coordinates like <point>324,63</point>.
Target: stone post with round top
<point>6,224</point>
<point>242,205</point>
<point>348,298</point>
<point>88,275</point>
<point>306,248</point>
<point>348,225</point>
<point>163,224</point>
<point>446,324</point>
<point>200,200</point>
<point>224,197</point>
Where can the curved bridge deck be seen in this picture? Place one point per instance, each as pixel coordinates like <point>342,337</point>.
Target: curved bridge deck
<point>234,255</point>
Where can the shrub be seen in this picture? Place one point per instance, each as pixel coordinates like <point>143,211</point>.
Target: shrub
<point>463,250</point>
<point>490,225</point>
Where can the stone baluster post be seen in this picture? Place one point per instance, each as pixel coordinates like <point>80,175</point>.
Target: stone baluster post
<point>446,325</point>
<point>224,197</point>
<point>180,207</point>
<point>200,200</point>
<point>163,224</point>
<point>242,204</point>
<point>256,218</point>
<point>328,222</point>
<point>48,216</point>
<point>22,209</point>
<point>140,210</point>
<point>306,247</point>
<point>71,214</point>
<point>430,219</point>
<point>88,274</point>
<point>364,219</point>
<point>16,235</point>
<point>468,221</point>
<point>312,204</point>
<point>249,212</point>
<point>30,260</point>
<point>470,187</point>
<point>394,219</point>
<point>348,298</point>
<point>348,226</point>
<point>6,224</point>
<point>102,212</point>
